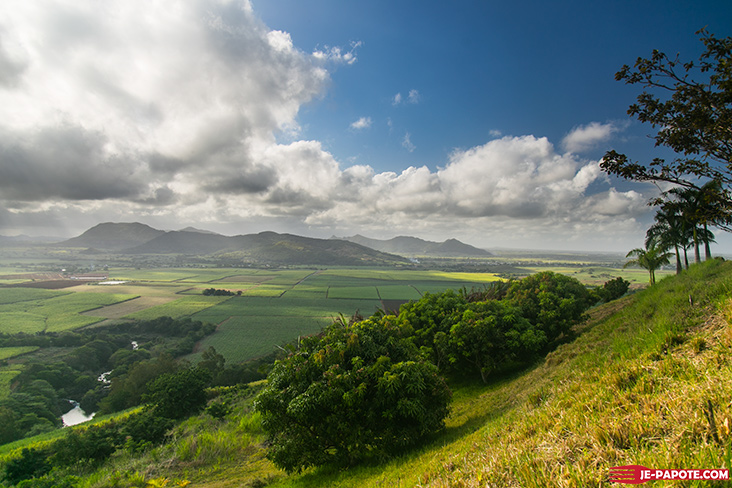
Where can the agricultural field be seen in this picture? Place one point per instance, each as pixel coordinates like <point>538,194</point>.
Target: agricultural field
<point>270,307</point>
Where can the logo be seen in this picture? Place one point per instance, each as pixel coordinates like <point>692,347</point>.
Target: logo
<point>636,475</point>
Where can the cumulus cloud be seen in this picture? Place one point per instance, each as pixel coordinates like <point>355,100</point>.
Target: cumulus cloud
<point>585,137</point>
<point>172,117</point>
<point>362,123</point>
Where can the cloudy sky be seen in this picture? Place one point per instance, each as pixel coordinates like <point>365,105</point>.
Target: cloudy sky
<point>480,120</point>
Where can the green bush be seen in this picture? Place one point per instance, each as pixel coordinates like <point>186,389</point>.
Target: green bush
<point>358,392</point>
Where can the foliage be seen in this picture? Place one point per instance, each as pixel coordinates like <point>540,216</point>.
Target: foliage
<point>650,258</point>
<point>356,393</point>
<point>31,463</point>
<point>490,335</point>
<point>214,292</point>
<point>180,394</point>
<point>694,120</point>
<point>613,289</point>
<point>551,301</point>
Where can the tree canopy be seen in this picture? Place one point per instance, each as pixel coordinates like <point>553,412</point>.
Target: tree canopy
<point>694,118</point>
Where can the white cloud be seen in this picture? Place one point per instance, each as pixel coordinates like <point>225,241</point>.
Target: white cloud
<point>407,143</point>
<point>585,137</point>
<point>171,117</point>
<point>338,54</point>
<point>413,97</point>
<point>362,123</point>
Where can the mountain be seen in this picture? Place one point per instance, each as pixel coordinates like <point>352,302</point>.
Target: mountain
<point>114,236</point>
<point>200,231</point>
<point>413,246</point>
<point>265,247</point>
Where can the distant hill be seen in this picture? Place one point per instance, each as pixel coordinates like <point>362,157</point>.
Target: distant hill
<point>266,247</point>
<point>114,236</point>
<point>413,246</point>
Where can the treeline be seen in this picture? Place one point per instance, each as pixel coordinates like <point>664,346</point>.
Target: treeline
<point>368,389</point>
<point>213,292</point>
<point>132,355</point>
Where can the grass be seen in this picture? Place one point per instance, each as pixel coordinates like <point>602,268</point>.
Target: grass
<point>182,307</point>
<point>9,352</point>
<point>632,388</point>
<point>55,313</point>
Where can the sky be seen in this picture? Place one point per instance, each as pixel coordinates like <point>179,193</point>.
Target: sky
<point>483,121</point>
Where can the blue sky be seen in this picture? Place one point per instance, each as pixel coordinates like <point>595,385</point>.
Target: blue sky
<point>478,120</point>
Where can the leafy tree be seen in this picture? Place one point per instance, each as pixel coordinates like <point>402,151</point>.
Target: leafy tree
<point>180,394</point>
<point>356,393</point>
<point>694,119</point>
<point>650,258</point>
<point>614,289</point>
<point>491,335</point>
<point>552,301</point>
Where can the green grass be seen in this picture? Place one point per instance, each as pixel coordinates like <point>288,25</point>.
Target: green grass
<point>16,295</point>
<point>9,352</point>
<point>360,292</point>
<point>632,388</point>
<point>56,313</point>
<point>182,307</point>
<point>242,338</point>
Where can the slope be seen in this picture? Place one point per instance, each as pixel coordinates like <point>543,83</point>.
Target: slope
<point>114,236</point>
<point>647,381</point>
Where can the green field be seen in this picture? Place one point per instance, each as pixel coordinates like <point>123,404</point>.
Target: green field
<point>52,312</point>
<point>275,306</point>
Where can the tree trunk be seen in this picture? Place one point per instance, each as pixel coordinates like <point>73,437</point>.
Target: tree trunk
<point>697,256</point>
<point>678,260</point>
<point>707,250</point>
<point>686,258</point>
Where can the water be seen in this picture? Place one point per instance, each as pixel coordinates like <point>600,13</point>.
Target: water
<point>75,416</point>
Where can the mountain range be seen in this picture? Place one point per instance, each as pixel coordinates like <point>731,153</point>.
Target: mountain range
<point>265,247</point>
<point>413,246</point>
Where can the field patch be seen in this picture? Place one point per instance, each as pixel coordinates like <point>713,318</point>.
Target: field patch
<point>25,322</point>
<point>359,292</point>
<point>242,338</point>
<point>14,295</point>
<point>9,352</point>
<point>119,310</point>
<point>182,307</point>
<point>60,312</point>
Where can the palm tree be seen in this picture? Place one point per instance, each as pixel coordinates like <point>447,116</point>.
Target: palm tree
<point>669,231</point>
<point>650,258</point>
<point>701,207</point>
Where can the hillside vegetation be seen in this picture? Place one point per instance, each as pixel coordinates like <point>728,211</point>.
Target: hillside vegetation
<point>647,381</point>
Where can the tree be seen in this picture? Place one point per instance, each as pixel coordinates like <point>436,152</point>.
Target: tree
<point>670,230</point>
<point>651,258</point>
<point>491,335</point>
<point>358,392</point>
<point>180,394</point>
<point>551,301</point>
<point>695,120</point>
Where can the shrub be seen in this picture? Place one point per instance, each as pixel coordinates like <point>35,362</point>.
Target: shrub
<point>358,392</point>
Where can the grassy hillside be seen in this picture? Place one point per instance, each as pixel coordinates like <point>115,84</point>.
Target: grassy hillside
<point>635,387</point>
